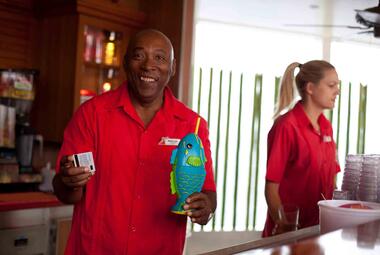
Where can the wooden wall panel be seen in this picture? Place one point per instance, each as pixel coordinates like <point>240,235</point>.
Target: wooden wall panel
<point>166,16</point>
<point>16,34</point>
<point>57,76</point>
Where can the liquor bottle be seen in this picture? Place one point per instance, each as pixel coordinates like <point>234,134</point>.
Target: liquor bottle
<point>110,49</point>
<point>99,40</point>
<point>88,54</point>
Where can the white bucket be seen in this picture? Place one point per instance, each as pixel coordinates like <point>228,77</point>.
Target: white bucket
<point>333,217</point>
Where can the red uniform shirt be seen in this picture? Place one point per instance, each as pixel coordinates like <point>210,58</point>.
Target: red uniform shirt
<point>303,162</point>
<point>126,205</point>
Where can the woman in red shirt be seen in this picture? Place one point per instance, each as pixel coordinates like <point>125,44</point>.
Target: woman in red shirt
<point>301,163</point>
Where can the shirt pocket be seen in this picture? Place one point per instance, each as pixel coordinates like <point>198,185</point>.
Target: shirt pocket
<point>164,153</point>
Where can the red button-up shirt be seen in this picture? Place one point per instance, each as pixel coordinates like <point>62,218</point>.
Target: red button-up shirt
<point>303,162</point>
<point>126,205</point>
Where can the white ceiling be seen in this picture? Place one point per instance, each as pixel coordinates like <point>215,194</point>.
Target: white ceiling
<point>278,14</point>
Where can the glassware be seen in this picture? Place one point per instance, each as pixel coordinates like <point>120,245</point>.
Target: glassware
<point>351,176</point>
<point>342,195</point>
<point>288,215</point>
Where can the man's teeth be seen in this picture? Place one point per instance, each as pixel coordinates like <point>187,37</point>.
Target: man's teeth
<point>147,79</point>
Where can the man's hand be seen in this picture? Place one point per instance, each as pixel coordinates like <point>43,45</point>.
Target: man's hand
<point>69,182</point>
<point>73,177</point>
<point>200,206</point>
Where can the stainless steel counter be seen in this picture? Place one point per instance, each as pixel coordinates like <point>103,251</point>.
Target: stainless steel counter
<point>362,240</point>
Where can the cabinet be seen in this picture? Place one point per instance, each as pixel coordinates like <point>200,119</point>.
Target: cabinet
<point>40,230</point>
<point>24,240</point>
<point>81,45</point>
<point>100,51</point>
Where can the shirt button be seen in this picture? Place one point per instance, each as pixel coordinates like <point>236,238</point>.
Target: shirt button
<point>133,229</point>
<point>138,197</point>
<point>141,163</point>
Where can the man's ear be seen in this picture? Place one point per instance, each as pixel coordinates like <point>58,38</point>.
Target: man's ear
<point>174,65</point>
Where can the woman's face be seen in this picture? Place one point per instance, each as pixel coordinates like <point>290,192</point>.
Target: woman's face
<point>324,93</point>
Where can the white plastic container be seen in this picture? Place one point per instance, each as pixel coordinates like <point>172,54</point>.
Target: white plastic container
<point>333,217</point>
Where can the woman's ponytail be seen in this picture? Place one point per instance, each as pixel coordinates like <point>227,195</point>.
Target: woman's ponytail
<point>286,95</point>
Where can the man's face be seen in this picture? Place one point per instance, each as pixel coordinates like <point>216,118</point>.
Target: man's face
<point>149,66</point>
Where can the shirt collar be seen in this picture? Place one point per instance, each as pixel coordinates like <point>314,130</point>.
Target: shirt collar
<point>171,107</point>
<point>304,120</point>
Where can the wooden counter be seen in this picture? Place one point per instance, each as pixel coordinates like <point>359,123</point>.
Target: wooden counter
<point>362,240</point>
<point>27,200</point>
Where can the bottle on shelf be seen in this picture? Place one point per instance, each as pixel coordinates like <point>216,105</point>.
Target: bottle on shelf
<point>88,54</point>
<point>99,40</point>
<point>110,49</point>
<point>107,83</point>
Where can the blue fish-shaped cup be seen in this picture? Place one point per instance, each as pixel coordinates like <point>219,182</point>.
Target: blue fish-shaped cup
<point>188,170</point>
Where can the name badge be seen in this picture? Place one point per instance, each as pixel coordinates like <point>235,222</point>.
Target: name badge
<point>169,141</point>
<point>327,139</point>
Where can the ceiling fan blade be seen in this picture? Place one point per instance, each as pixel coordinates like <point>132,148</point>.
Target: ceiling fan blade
<point>366,32</point>
<point>370,15</point>
<point>325,25</point>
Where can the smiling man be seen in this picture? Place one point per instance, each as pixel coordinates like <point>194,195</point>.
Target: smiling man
<point>124,208</point>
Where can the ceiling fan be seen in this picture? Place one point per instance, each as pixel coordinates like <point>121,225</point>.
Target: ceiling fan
<point>369,19</point>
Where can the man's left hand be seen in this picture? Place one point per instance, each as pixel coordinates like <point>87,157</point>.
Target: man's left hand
<point>200,206</point>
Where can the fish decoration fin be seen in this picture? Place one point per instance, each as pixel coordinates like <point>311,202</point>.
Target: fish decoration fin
<point>172,183</point>
<point>203,156</point>
<point>173,156</point>
<point>194,161</point>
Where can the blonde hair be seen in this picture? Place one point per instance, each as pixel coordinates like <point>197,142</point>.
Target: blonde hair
<point>312,71</point>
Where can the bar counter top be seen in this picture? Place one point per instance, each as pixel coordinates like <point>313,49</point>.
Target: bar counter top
<point>27,200</point>
<point>357,240</point>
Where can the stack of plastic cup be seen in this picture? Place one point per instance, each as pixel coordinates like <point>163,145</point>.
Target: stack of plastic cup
<point>368,182</point>
<point>351,174</point>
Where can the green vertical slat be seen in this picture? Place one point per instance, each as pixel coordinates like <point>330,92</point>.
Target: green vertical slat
<point>338,115</point>
<point>209,99</point>
<point>360,113</point>
<point>218,136</point>
<point>329,114</point>
<point>251,155</point>
<point>364,117</point>
<point>348,119</point>
<point>226,151</point>
<point>209,105</point>
<point>200,90</point>
<point>190,98</point>
<point>237,152</point>
<point>260,81</point>
<point>361,122</point>
<point>199,107</point>
<point>276,88</point>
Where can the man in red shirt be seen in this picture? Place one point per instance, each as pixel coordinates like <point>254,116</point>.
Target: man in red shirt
<point>124,208</point>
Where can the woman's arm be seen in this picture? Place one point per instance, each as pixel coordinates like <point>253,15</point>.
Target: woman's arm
<point>274,204</point>
<point>273,199</point>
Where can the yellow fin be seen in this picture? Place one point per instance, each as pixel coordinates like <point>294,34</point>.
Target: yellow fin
<point>172,183</point>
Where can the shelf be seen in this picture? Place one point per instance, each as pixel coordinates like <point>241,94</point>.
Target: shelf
<point>100,65</point>
<point>17,201</point>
